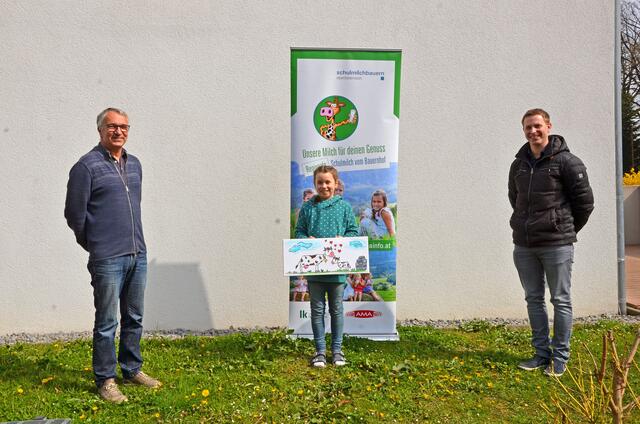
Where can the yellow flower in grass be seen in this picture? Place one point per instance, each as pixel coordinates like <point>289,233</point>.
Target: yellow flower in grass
<point>82,417</point>
<point>205,393</point>
<point>20,390</point>
<point>204,401</point>
<point>157,415</point>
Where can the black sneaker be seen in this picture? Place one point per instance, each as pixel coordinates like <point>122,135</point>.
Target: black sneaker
<point>319,360</point>
<point>534,363</point>
<point>338,359</point>
<point>555,369</point>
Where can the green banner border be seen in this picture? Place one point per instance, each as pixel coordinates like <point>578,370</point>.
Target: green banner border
<point>393,55</point>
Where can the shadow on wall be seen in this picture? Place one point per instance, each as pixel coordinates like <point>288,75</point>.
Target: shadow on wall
<point>176,297</point>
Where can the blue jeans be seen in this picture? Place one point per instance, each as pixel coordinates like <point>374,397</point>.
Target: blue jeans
<point>551,264</point>
<point>118,282</point>
<point>333,292</point>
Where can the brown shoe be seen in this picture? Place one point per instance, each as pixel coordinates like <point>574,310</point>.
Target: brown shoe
<point>143,379</point>
<point>109,391</point>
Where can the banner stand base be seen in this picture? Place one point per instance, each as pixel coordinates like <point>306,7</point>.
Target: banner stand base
<point>390,337</point>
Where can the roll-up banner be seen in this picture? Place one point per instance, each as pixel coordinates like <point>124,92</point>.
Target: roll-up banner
<point>345,113</point>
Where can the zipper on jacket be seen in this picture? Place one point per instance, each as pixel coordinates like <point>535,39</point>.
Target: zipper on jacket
<point>526,223</point>
<point>133,227</point>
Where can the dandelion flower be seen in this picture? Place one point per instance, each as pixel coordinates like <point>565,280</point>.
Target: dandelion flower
<point>20,390</point>
<point>300,392</point>
<point>205,393</point>
<point>157,415</point>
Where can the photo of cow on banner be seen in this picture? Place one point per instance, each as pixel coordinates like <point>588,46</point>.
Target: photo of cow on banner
<point>345,114</point>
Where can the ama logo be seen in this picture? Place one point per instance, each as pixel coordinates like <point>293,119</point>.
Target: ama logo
<point>335,118</point>
<point>364,313</point>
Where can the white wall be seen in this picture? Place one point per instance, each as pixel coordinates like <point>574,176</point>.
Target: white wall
<point>207,87</point>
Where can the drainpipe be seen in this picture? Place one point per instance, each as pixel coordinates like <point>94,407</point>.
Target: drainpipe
<point>622,291</point>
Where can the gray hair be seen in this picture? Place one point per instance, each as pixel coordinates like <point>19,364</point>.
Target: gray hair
<point>101,115</point>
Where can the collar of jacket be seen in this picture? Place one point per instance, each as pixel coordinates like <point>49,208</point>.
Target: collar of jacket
<point>325,203</point>
<point>107,154</point>
<point>556,145</point>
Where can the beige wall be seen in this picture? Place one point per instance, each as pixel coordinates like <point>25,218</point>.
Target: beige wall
<point>206,84</point>
<point>631,215</point>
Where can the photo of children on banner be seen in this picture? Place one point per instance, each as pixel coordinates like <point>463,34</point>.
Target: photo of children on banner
<point>307,194</point>
<point>340,189</point>
<point>358,285</point>
<point>348,291</point>
<point>360,288</point>
<point>300,289</point>
<point>377,222</point>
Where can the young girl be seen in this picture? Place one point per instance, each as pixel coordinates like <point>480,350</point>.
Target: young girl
<point>300,288</point>
<point>348,290</point>
<point>358,286</point>
<point>326,215</point>
<point>381,217</point>
<point>366,226</point>
<point>368,287</point>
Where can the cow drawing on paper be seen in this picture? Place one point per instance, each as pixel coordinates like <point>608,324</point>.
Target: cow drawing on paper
<point>308,261</point>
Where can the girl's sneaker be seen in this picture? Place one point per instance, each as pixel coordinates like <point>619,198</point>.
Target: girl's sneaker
<point>339,359</point>
<point>319,360</point>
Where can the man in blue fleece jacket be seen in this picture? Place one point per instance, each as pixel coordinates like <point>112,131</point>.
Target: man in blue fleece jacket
<point>103,210</point>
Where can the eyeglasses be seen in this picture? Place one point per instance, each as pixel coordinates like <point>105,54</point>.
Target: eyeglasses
<point>113,127</point>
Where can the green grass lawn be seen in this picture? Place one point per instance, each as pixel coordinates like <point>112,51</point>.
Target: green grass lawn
<point>387,295</point>
<point>465,375</point>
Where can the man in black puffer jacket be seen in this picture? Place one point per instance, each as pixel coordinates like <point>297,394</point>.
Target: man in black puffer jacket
<point>552,200</point>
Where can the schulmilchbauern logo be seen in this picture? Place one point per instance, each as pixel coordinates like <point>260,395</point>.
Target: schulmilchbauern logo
<point>335,118</point>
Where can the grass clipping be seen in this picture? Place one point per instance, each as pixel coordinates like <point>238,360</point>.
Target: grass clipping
<point>597,396</point>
